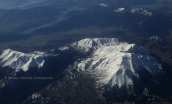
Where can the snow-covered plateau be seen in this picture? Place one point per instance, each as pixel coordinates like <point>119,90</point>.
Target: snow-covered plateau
<point>113,63</point>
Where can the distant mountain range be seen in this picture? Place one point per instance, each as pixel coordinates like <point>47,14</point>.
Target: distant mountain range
<point>20,4</point>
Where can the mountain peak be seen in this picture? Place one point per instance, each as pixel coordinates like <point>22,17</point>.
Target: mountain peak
<point>112,63</point>
<point>88,45</point>
<point>23,61</point>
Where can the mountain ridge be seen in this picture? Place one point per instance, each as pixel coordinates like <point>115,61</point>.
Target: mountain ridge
<point>117,63</point>
<point>18,60</point>
<point>110,65</point>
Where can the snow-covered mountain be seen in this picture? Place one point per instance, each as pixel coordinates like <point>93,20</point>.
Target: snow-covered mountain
<point>24,61</point>
<point>14,64</point>
<point>114,63</point>
<point>88,45</point>
<point>107,62</point>
<point>111,62</point>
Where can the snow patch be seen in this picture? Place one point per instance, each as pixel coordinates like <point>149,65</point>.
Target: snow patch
<point>119,10</point>
<point>141,11</point>
<point>104,5</point>
<point>34,98</point>
<point>66,49</point>
<point>154,38</point>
